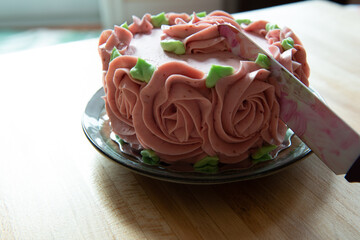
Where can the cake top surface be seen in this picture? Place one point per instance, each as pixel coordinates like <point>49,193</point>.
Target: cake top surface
<point>147,46</point>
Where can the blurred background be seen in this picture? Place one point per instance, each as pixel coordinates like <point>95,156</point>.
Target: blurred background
<point>33,23</point>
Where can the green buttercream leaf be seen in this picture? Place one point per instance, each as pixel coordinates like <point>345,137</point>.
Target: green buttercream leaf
<point>263,61</point>
<point>217,72</point>
<point>150,157</point>
<point>271,26</point>
<point>158,20</point>
<point>142,71</point>
<point>199,14</point>
<point>287,43</point>
<point>119,140</point>
<point>208,164</point>
<point>208,169</point>
<point>263,151</point>
<point>264,158</point>
<point>245,21</point>
<point>114,54</point>
<point>125,25</point>
<point>174,46</point>
<point>208,160</point>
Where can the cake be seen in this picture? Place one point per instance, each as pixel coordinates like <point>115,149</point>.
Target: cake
<point>180,89</point>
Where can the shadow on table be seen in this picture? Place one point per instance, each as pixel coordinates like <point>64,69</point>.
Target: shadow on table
<point>282,203</point>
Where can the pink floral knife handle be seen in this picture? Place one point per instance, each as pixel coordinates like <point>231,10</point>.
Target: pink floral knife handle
<point>328,136</point>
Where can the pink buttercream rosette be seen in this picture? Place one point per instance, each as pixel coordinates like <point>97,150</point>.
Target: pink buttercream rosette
<point>122,93</point>
<point>180,119</point>
<point>245,114</point>
<point>172,115</point>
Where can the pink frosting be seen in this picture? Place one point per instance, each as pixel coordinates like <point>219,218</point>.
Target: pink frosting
<point>175,114</point>
<point>122,93</point>
<point>175,18</point>
<point>141,26</point>
<point>180,119</point>
<point>257,27</point>
<point>200,35</point>
<point>171,116</point>
<point>246,113</point>
<point>293,59</point>
<point>119,38</point>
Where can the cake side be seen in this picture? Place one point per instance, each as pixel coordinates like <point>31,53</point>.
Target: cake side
<point>175,89</point>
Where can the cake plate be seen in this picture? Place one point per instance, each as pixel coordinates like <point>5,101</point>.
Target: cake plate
<point>96,126</point>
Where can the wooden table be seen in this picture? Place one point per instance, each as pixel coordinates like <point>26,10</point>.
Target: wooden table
<point>55,185</point>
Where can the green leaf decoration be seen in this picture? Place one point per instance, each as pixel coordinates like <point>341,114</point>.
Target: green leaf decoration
<point>114,54</point>
<point>245,21</point>
<point>119,140</point>
<point>174,46</point>
<point>287,43</point>
<point>264,158</point>
<point>158,20</point>
<point>263,61</point>
<point>271,26</point>
<point>142,71</point>
<point>208,164</point>
<point>150,157</point>
<point>217,72</point>
<point>125,25</point>
<point>199,14</point>
<point>263,151</point>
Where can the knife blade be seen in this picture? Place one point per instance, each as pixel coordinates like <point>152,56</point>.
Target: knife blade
<point>328,136</point>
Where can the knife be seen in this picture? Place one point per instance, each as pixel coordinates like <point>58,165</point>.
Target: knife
<point>328,136</point>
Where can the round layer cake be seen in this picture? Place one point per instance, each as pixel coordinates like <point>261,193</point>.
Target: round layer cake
<point>183,88</point>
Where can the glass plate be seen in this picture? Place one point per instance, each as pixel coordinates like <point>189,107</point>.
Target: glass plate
<point>96,127</point>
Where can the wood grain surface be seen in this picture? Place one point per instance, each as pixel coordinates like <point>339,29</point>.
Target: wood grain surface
<point>55,185</point>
